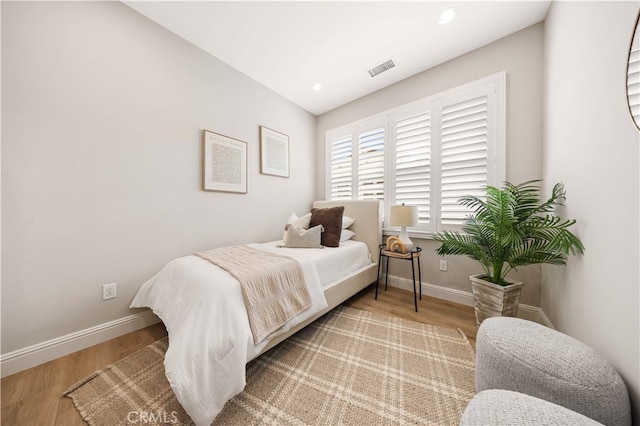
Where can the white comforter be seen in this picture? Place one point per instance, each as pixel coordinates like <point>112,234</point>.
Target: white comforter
<point>210,341</point>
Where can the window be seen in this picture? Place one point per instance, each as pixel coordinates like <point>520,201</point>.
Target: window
<point>357,161</point>
<point>427,154</point>
<point>463,155</point>
<point>341,168</point>
<point>371,164</point>
<point>412,183</point>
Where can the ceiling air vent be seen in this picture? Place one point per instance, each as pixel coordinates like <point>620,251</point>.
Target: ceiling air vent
<point>378,69</point>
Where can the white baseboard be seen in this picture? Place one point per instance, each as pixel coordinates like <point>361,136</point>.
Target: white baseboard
<point>528,312</point>
<point>545,320</point>
<point>21,359</point>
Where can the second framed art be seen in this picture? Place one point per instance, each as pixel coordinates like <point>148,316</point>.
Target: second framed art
<point>224,163</point>
<point>274,153</point>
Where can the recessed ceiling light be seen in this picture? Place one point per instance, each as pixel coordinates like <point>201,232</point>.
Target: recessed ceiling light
<point>447,15</point>
<point>317,87</point>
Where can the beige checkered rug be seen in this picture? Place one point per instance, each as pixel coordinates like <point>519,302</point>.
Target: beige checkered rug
<point>350,367</point>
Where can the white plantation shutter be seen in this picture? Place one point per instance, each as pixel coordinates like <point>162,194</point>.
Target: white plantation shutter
<point>413,162</point>
<point>428,153</point>
<point>464,156</point>
<point>633,83</point>
<point>371,165</point>
<point>341,168</point>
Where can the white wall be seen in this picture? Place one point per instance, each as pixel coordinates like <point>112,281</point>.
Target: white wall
<point>102,113</point>
<point>593,147</point>
<point>520,55</point>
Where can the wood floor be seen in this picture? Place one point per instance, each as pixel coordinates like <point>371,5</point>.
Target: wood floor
<point>34,397</point>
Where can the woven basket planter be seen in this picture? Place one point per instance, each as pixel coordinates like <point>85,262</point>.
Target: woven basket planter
<point>493,300</point>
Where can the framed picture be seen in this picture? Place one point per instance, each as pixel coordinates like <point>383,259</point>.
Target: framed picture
<point>274,153</point>
<point>224,163</point>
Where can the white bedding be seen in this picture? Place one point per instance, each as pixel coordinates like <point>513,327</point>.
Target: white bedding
<point>332,263</point>
<point>210,340</point>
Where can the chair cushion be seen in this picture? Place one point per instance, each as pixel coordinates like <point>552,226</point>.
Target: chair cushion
<point>523,356</point>
<point>503,407</point>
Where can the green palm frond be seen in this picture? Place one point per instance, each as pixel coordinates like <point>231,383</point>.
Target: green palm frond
<point>534,251</point>
<point>454,243</point>
<point>511,227</point>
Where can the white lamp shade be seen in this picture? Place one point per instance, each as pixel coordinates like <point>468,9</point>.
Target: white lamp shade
<point>403,215</point>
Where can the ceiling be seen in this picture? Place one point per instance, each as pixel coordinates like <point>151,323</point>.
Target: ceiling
<point>288,46</point>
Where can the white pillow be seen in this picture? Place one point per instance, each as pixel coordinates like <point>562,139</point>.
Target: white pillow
<point>303,238</point>
<point>298,222</point>
<point>347,221</point>
<point>346,234</point>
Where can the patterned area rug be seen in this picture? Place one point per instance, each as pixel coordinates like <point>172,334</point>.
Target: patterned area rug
<point>350,367</point>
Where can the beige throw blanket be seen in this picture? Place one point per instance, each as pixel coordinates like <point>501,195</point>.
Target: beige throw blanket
<point>273,285</point>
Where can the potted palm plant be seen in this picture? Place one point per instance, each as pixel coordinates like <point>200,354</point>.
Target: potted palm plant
<point>509,227</point>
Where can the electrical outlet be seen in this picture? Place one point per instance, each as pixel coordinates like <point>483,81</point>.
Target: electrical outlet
<point>443,265</point>
<point>108,291</point>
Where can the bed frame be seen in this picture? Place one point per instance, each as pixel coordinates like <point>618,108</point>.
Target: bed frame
<point>368,229</point>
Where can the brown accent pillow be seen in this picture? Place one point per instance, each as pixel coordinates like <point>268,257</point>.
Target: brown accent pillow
<point>331,220</point>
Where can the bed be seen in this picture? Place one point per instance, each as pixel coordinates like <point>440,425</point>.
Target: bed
<point>207,369</point>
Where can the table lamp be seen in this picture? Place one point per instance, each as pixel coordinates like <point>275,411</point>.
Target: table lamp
<point>404,216</point>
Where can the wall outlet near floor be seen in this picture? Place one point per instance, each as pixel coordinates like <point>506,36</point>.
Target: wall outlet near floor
<point>108,291</point>
<point>443,265</point>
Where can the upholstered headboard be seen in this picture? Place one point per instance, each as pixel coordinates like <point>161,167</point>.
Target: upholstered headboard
<point>368,221</point>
